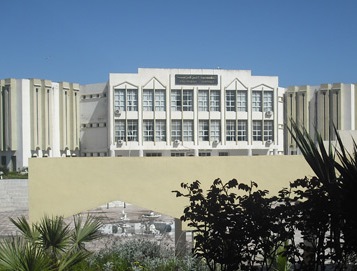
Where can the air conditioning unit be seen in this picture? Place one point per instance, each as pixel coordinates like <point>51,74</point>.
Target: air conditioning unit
<point>177,141</point>
<point>269,141</point>
<point>120,142</point>
<point>117,112</point>
<point>269,113</point>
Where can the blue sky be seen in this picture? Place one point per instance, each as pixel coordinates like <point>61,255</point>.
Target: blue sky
<point>301,41</point>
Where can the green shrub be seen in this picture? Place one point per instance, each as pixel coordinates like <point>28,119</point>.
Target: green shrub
<point>140,254</point>
<point>4,170</point>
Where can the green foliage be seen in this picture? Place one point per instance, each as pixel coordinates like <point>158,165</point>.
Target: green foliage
<point>139,254</point>
<point>330,201</point>
<point>4,170</point>
<point>47,245</point>
<point>235,225</point>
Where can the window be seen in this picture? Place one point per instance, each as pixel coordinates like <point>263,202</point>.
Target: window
<point>242,100</point>
<point>132,99</point>
<point>176,130</point>
<point>230,100</point>
<point>187,100</point>
<point>119,99</point>
<point>268,130</point>
<point>202,153</point>
<point>242,130</point>
<point>148,100</point>
<point>153,154</point>
<point>215,131</point>
<point>187,130</point>
<point>203,130</point>
<point>268,101</point>
<point>176,100</point>
<point>257,101</point>
<point>203,100</point>
<point>119,130</point>
<point>257,130</point>
<point>132,130</point>
<point>160,100</point>
<point>148,130</point>
<point>231,130</point>
<point>215,100</point>
<point>177,154</point>
<point>223,154</point>
<point>160,131</point>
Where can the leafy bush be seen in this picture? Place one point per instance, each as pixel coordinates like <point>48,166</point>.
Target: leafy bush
<point>4,170</point>
<point>235,225</point>
<point>139,254</point>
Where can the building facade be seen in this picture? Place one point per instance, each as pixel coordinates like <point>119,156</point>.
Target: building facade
<point>39,118</point>
<point>194,112</point>
<point>319,109</point>
<point>94,120</point>
<point>166,112</point>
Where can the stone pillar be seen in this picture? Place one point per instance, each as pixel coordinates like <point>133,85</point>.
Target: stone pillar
<point>180,238</point>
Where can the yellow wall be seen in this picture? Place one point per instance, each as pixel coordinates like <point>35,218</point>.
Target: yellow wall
<point>66,186</point>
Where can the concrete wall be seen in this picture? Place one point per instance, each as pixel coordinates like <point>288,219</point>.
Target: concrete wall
<point>60,186</point>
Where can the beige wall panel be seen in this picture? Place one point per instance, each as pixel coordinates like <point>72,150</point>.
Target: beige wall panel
<point>66,186</point>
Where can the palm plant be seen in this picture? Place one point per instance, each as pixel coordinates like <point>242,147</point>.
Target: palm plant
<point>48,245</point>
<point>336,170</point>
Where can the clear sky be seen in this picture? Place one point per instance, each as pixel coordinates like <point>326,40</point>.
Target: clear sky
<point>301,41</point>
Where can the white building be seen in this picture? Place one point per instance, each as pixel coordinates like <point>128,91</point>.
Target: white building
<point>166,112</point>
<point>184,112</point>
<point>39,118</point>
<point>320,108</point>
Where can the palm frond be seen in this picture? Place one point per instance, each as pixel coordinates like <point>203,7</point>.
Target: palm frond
<point>85,231</point>
<point>18,254</point>
<point>28,232</point>
<point>71,259</point>
<point>54,235</point>
<point>322,162</point>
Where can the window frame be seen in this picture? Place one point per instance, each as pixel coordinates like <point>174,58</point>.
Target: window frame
<point>257,101</point>
<point>148,100</point>
<point>148,131</point>
<point>231,104</point>
<point>132,100</point>
<point>187,100</point>
<point>242,130</point>
<point>257,130</point>
<point>187,130</point>
<point>203,130</point>
<point>176,100</point>
<point>160,130</point>
<point>119,99</point>
<point>160,100</point>
<point>215,130</point>
<point>176,130</point>
<point>268,132</point>
<point>132,134</point>
<point>203,100</point>
<point>230,130</point>
<point>215,100</point>
<point>268,101</point>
